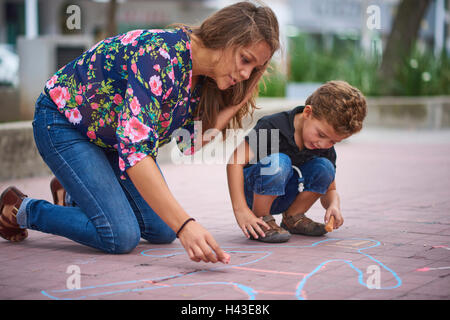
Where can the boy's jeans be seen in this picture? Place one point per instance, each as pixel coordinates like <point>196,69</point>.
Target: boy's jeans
<point>275,175</point>
<point>110,214</point>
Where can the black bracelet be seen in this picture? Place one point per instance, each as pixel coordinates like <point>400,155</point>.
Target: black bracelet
<point>184,224</point>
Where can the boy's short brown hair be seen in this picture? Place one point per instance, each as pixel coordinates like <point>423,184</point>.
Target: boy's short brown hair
<point>341,105</point>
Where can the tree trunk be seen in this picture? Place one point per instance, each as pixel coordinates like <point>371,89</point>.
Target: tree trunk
<point>403,34</point>
<point>111,25</point>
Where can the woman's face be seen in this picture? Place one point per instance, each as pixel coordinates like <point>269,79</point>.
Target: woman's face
<point>236,65</point>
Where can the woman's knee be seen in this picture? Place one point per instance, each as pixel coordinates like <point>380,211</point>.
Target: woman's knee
<point>164,236</point>
<point>124,240</point>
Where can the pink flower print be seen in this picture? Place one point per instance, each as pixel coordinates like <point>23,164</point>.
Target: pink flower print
<point>164,53</point>
<point>171,75</point>
<point>189,151</point>
<point>156,85</point>
<point>94,105</point>
<point>59,96</point>
<point>135,106</point>
<point>190,81</point>
<point>175,60</point>
<point>50,83</point>
<point>165,120</point>
<point>74,116</point>
<point>157,67</point>
<point>118,99</point>
<point>121,164</point>
<point>79,99</point>
<point>95,46</point>
<point>101,122</point>
<point>141,51</point>
<point>130,36</point>
<point>135,158</point>
<point>130,91</point>
<point>188,45</point>
<point>136,130</point>
<point>93,57</point>
<point>167,94</point>
<point>134,67</point>
<point>91,135</point>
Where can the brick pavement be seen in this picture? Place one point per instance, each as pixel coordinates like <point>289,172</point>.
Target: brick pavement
<point>395,201</point>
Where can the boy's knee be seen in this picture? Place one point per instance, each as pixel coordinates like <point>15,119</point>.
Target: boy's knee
<point>278,166</point>
<point>323,172</point>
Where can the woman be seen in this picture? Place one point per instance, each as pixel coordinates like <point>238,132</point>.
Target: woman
<point>102,117</point>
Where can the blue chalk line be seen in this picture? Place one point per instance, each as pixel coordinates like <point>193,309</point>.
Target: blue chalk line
<point>250,292</point>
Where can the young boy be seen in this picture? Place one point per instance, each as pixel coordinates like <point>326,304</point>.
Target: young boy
<point>289,175</point>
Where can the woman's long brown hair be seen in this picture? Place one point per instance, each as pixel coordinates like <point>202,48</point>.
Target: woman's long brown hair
<point>235,26</point>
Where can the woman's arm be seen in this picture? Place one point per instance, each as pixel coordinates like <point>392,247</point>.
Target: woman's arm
<point>196,240</point>
<point>245,217</point>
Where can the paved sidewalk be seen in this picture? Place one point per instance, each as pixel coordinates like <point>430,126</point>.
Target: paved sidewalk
<point>395,199</point>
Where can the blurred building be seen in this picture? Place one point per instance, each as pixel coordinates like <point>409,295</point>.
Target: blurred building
<point>356,19</point>
<point>39,36</point>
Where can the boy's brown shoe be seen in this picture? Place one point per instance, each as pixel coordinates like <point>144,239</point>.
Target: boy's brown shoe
<point>275,234</point>
<point>300,224</point>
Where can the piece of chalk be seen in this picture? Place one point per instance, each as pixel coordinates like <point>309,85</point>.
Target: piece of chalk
<point>330,224</point>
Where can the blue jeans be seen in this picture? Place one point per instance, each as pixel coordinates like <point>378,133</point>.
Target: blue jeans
<point>110,214</point>
<point>274,175</point>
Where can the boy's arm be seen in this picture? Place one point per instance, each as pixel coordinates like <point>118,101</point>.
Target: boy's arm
<point>331,202</point>
<point>245,218</point>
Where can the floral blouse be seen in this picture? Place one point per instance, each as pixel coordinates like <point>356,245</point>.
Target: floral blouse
<point>130,92</point>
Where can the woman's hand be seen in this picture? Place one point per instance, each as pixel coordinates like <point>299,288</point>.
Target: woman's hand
<point>249,223</point>
<point>196,240</point>
<point>200,244</point>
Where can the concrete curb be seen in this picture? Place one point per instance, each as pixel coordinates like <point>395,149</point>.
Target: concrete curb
<point>20,159</point>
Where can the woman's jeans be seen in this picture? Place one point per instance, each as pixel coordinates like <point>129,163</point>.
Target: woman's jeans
<point>110,214</point>
<point>275,175</point>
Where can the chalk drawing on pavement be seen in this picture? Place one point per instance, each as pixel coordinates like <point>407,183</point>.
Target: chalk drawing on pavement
<point>252,260</point>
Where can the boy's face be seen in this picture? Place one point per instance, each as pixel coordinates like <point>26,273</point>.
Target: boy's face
<point>318,134</point>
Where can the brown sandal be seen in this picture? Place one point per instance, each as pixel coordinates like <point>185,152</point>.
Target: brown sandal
<point>10,202</point>
<point>58,192</point>
<point>301,224</point>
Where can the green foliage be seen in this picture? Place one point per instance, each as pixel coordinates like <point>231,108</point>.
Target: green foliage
<point>273,84</point>
<point>311,60</point>
<point>317,59</point>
